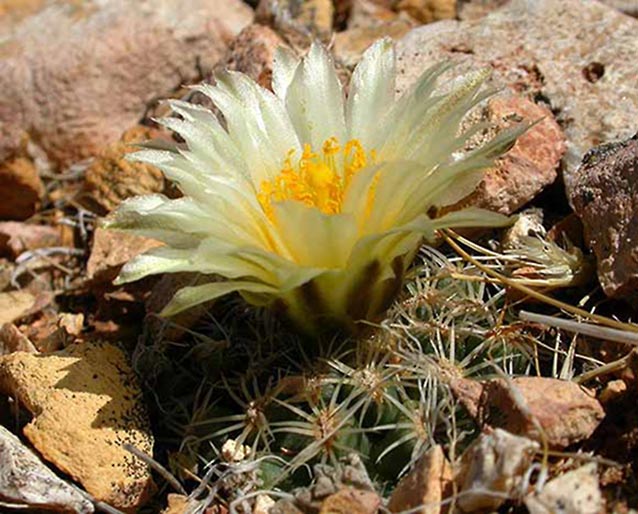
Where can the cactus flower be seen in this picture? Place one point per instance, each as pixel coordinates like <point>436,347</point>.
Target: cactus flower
<point>305,199</point>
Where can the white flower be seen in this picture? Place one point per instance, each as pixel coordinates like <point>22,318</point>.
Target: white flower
<point>307,200</point>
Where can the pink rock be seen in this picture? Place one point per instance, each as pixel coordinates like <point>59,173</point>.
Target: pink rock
<point>564,412</point>
<point>73,78</point>
<point>252,52</point>
<point>577,56</point>
<point>529,166</point>
<point>16,237</point>
<point>111,250</point>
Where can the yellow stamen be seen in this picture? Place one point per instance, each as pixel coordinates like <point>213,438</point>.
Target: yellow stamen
<point>319,181</point>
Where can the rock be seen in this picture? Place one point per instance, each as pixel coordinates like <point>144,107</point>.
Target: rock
<point>350,44</point>
<point>529,167</point>
<point>161,294</point>
<point>15,304</point>
<point>543,49</point>
<point>16,237</point>
<point>351,501</point>
<point>351,474</point>
<point>86,404</point>
<point>311,17</point>
<point>234,451</point>
<point>252,52</point>
<point>492,469</point>
<point>54,331</point>
<point>471,9</point>
<point>263,503</point>
<point>111,178</point>
<point>614,389</point>
<point>368,13</point>
<point>575,492</point>
<point>423,489</point>
<point>604,193</point>
<point>75,76</point>
<point>474,9</point>
<point>529,223</point>
<point>285,506</point>
<point>22,189</point>
<point>629,7</point>
<point>12,340</point>
<point>26,482</point>
<point>111,250</point>
<point>563,410</point>
<point>427,11</point>
<point>177,504</point>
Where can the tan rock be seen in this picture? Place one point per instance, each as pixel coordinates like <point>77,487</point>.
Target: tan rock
<point>177,504</point>
<point>86,405</point>
<point>26,482</point>
<point>314,16</point>
<point>424,488</point>
<point>368,13</point>
<point>111,250</point>
<point>21,189</point>
<point>12,340</point>
<point>492,469</point>
<point>613,390</point>
<point>536,407</point>
<point>180,504</point>
<point>350,44</point>
<point>575,492</point>
<point>16,237</point>
<point>263,503</point>
<point>74,77</point>
<point>112,179</point>
<point>351,501</point>
<point>15,304</point>
<point>252,52</point>
<point>54,331</point>
<point>427,11</point>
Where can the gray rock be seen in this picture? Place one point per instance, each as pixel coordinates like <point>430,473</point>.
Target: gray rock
<point>26,482</point>
<point>577,55</point>
<point>605,196</point>
<point>477,8</point>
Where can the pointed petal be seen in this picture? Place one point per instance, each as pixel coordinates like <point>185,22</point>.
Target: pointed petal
<point>284,66</point>
<point>371,93</point>
<point>257,121</point>
<point>190,296</point>
<point>315,99</point>
<point>473,217</point>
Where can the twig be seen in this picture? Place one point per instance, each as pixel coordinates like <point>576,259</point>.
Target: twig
<point>579,327</point>
<point>448,235</point>
<point>157,467</point>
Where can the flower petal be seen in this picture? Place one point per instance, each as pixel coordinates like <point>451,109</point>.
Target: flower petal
<point>284,66</point>
<point>371,94</point>
<point>315,239</point>
<point>190,296</point>
<point>315,99</point>
<point>258,123</point>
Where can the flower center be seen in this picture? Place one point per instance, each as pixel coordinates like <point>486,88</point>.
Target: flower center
<point>316,180</point>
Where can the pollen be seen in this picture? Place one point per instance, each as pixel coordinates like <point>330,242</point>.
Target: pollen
<point>316,179</point>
